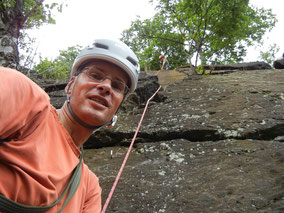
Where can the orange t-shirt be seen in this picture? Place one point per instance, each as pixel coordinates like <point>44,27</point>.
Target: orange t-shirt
<point>38,162</point>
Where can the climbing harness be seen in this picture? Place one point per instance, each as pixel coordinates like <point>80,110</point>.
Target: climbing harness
<point>10,206</point>
<point>127,154</point>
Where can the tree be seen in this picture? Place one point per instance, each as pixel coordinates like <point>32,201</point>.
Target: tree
<point>269,55</point>
<point>216,31</point>
<point>15,17</point>
<point>60,67</point>
<point>144,38</point>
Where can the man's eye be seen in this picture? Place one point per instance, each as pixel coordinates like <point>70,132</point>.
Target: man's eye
<point>96,76</point>
<point>117,85</point>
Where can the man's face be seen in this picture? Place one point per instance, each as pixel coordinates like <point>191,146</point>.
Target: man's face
<point>96,102</point>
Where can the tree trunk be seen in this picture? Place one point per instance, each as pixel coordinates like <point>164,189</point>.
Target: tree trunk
<point>9,54</point>
<point>10,24</point>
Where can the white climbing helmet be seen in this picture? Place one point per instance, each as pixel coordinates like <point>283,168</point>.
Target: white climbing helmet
<point>115,52</point>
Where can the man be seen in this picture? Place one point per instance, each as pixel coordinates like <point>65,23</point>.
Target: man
<point>40,147</point>
<point>165,63</point>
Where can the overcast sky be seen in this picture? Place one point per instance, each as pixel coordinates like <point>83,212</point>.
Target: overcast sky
<point>276,35</point>
<point>83,21</point>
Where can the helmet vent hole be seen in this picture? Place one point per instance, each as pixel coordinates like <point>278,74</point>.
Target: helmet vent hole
<point>101,46</point>
<point>132,61</point>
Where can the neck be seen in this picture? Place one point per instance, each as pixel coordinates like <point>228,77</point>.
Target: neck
<point>78,133</point>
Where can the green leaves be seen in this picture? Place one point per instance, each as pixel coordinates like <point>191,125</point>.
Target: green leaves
<point>270,56</point>
<point>208,31</point>
<point>151,38</point>
<point>39,13</point>
<point>61,66</point>
<point>17,16</point>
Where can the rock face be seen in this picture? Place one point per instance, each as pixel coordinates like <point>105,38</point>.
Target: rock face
<point>279,64</point>
<point>182,176</point>
<point>209,143</point>
<point>240,66</point>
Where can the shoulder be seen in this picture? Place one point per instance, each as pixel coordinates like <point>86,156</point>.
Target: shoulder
<point>23,103</point>
<point>8,73</point>
<point>18,82</point>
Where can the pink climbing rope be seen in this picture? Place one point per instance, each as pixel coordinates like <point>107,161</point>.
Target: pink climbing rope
<point>127,154</point>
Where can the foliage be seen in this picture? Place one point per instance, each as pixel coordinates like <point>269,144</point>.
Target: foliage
<point>144,37</point>
<point>269,55</point>
<point>31,13</point>
<point>28,51</point>
<point>60,67</point>
<point>200,70</point>
<point>215,31</point>
<point>42,15</point>
<point>18,16</point>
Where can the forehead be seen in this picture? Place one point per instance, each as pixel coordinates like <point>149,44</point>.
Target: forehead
<point>110,69</point>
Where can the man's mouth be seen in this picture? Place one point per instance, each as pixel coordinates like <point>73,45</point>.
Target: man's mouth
<point>98,100</point>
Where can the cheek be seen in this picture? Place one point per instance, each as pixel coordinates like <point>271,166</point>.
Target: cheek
<point>79,88</point>
<point>117,102</point>
<point>75,95</point>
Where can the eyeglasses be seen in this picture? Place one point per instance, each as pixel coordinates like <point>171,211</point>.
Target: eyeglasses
<point>98,75</point>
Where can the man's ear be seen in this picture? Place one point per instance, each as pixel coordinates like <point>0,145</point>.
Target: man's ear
<point>69,86</point>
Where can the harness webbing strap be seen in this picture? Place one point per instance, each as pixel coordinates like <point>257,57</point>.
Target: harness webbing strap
<point>78,119</point>
<point>10,206</point>
<point>74,185</point>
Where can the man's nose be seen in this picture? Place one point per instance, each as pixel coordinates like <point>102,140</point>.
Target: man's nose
<point>105,86</point>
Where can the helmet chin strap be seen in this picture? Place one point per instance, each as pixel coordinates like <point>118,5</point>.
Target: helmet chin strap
<point>109,124</point>
<point>82,123</point>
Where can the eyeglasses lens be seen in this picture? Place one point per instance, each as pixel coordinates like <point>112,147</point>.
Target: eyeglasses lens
<point>99,76</point>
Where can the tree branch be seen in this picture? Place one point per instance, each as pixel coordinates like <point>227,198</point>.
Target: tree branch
<point>157,37</point>
<point>30,13</point>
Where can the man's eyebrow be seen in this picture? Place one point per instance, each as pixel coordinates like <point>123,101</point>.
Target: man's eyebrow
<point>99,69</point>
<point>115,78</point>
<point>119,79</point>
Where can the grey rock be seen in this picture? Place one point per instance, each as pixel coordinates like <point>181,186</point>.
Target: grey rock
<point>279,64</point>
<point>210,143</point>
<point>279,138</point>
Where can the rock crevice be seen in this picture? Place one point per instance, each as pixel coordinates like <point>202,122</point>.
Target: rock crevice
<point>210,143</point>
